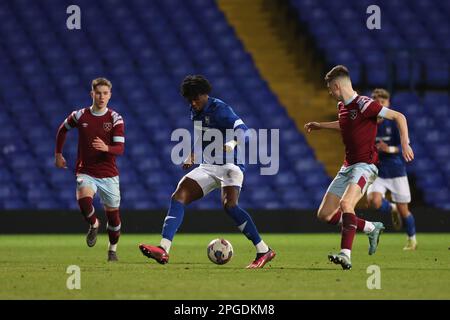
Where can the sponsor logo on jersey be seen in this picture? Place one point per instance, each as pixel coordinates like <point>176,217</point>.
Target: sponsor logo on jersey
<point>84,124</point>
<point>107,126</point>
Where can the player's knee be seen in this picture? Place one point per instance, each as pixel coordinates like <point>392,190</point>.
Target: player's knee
<point>374,202</point>
<point>228,204</point>
<point>323,215</point>
<point>403,210</point>
<point>181,196</point>
<point>346,205</point>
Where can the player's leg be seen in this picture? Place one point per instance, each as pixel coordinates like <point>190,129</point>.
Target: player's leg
<point>109,193</point>
<point>377,201</point>
<point>401,194</point>
<point>230,197</point>
<point>360,177</point>
<point>374,199</point>
<point>191,187</point>
<point>231,179</point>
<point>350,198</point>
<point>329,210</point>
<point>86,189</point>
<point>188,191</point>
<point>410,226</point>
<point>113,228</point>
<point>352,195</point>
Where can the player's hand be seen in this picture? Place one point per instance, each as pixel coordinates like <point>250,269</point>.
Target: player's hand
<point>312,126</point>
<point>60,162</point>
<point>187,165</point>
<point>382,146</point>
<point>189,162</point>
<point>229,146</point>
<point>100,145</point>
<point>408,153</point>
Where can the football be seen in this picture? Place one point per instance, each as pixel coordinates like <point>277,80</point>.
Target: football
<point>220,251</point>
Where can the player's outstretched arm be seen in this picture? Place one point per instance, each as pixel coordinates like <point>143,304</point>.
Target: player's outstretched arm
<point>333,125</point>
<point>402,125</point>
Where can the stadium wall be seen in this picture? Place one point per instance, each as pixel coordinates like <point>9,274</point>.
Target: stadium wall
<point>206,221</point>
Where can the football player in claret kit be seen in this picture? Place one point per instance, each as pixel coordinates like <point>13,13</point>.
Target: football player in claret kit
<point>358,127</point>
<point>210,175</point>
<point>392,176</point>
<point>100,139</point>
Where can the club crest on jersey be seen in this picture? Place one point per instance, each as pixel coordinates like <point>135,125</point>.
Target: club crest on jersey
<point>107,126</point>
<point>353,114</point>
<point>207,120</point>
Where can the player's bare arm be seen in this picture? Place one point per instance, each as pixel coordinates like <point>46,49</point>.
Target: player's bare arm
<point>333,125</point>
<point>402,125</point>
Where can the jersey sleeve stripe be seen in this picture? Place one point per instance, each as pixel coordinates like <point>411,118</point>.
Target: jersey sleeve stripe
<point>237,123</point>
<point>119,139</point>
<point>74,116</point>
<point>78,115</point>
<point>117,123</point>
<point>67,125</point>
<point>116,117</point>
<point>383,112</point>
<point>365,106</point>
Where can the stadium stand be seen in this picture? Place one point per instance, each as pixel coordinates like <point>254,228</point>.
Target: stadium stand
<point>410,51</point>
<point>145,48</point>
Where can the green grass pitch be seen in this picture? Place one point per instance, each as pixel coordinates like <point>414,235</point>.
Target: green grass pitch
<point>34,267</point>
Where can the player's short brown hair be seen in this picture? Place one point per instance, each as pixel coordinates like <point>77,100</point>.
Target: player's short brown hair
<point>380,93</point>
<point>101,82</point>
<point>337,72</point>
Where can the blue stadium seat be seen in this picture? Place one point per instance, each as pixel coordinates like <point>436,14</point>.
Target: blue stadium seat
<point>45,76</point>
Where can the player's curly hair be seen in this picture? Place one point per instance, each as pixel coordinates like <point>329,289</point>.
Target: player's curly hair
<point>195,85</point>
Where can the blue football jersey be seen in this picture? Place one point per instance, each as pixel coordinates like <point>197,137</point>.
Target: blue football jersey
<point>391,165</point>
<point>218,115</point>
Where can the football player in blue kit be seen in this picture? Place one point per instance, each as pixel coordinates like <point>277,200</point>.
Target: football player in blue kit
<point>211,174</point>
<point>392,176</point>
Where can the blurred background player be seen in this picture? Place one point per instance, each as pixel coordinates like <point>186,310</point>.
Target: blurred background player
<point>100,139</point>
<point>392,176</point>
<point>213,114</point>
<point>358,126</point>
